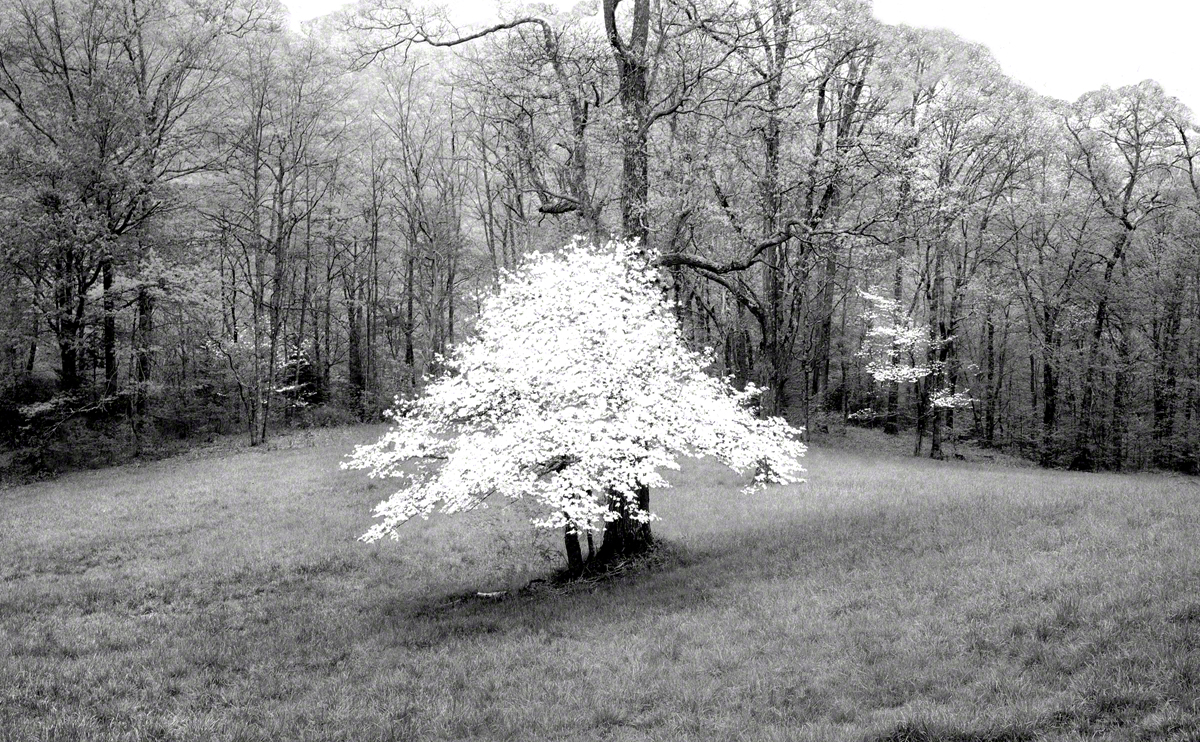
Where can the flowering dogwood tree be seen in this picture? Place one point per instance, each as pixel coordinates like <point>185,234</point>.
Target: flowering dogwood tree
<point>892,346</point>
<point>576,392</point>
<point>892,343</point>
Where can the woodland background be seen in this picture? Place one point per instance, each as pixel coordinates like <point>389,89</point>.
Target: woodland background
<point>211,223</point>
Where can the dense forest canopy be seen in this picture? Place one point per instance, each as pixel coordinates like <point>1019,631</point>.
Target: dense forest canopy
<point>213,223</point>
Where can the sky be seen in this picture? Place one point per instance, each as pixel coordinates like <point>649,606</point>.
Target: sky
<point>1064,48</point>
<point>1061,48</point>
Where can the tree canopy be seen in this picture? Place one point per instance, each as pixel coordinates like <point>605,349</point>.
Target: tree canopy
<point>576,390</point>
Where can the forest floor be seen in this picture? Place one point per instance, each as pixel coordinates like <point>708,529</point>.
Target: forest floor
<point>889,598</point>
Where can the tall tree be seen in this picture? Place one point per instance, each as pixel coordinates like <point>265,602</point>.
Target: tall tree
<point>1124,144</point>
<point>282,161</point>
<point>110,97</point>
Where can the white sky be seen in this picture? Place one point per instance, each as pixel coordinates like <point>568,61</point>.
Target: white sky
<point>1065,48</point>
<point>1062,48</point>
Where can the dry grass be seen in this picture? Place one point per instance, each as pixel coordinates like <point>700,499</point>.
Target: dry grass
<point>888,599</point>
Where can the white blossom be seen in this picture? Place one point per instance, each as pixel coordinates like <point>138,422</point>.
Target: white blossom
<point>576,386</point>
<point>893,342</point>
<point>946,399</point>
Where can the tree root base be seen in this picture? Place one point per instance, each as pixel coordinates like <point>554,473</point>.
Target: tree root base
<point>602,569</point>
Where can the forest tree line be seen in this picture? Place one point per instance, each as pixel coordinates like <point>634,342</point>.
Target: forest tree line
<point>215,223</point>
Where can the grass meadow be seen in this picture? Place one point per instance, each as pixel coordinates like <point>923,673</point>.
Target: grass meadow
<point>226,598</point>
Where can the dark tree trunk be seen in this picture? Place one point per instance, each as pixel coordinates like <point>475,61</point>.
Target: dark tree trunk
<point>11,352</point>
<point>989,405</point>
<point>1033,387</point>
<point>891,419</point>
<point>574,551</point>
<point>773,374</point>
<point>12,349</point>
<point>110,327</point>
<point>624,536</point>
<point>70,300</point>
<point>935,433</point>
<point>410,359</point>
<point>1116,438</point>
<point>145,329</point>
<point>1049,408</point>
<point>354,353</point>
<point>68,350</point>
<point>31,358</point>
<point>824,345</point>
<point>920,403</point>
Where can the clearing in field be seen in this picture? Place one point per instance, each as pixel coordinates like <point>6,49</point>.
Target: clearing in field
<point>887,599</point>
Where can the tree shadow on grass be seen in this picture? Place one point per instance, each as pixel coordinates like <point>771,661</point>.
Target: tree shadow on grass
<point>550,604</point>
<point>674,578</point>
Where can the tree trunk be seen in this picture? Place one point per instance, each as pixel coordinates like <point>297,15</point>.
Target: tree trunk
<point>824,345</point>
<point>12,321</point>
<point>574,551</point>
<point>937,349</point>
<point>410,359</point>
<point>145,328</point>
<point>1116,439</point>
<point>354,354</point>
<point>110,327</point>
<point>624,536</point>
<point>68,349</point>
<point>635,171</point>
<point>1049,405</point>
<point>31,358</point>
<point>990,390</point>
<point>70,301</point>
<point>891,418</point>
<point>920,404</point>
<point>634,92</point>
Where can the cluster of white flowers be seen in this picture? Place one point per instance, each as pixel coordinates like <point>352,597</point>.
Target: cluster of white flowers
<point>892,345</point>
<point>893,342</point>
<point>576,387</point>
<point>946,399</point>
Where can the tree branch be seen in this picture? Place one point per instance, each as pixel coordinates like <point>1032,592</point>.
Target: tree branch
<point>409,30</point>
<point>732,266</point>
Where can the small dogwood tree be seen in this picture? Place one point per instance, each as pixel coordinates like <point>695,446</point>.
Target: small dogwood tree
<point>892,346</point>
<point>576,391</point>
<point>892,343</point>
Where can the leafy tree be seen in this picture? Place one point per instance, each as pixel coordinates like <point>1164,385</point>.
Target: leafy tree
<point>576,391</point>
<point>283,130</point>
<point>790,115</point>
<point>108,101</point>
<point>1125,143</point>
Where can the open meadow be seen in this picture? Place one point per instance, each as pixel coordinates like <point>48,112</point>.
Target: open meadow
<point>226,598</point>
